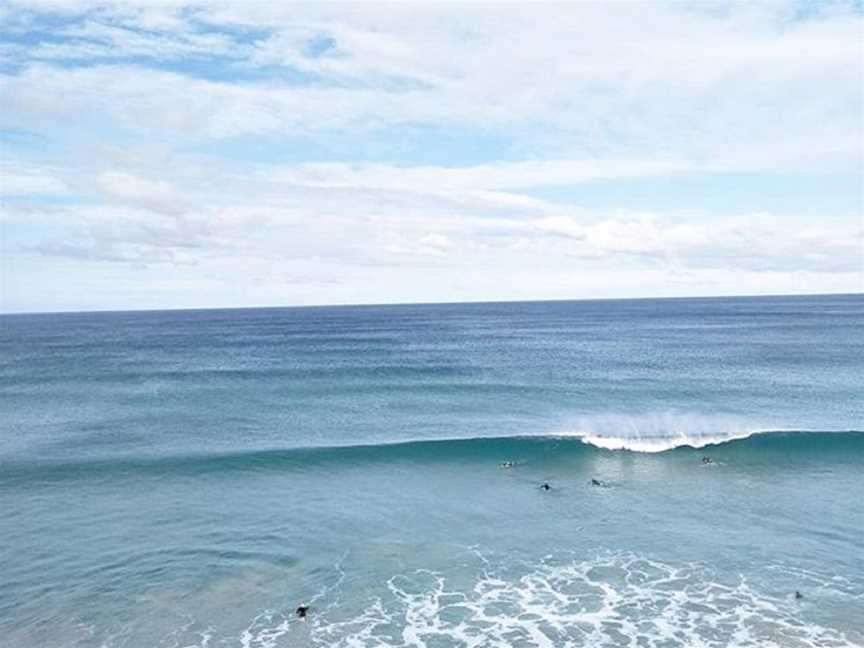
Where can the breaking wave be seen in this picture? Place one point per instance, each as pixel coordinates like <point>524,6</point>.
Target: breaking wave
<point>666,431</point>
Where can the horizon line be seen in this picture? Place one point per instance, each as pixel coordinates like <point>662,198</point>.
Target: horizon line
<point>431,303</point>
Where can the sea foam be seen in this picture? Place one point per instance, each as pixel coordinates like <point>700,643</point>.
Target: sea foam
<point>658,432</point>
<point>612,600</point>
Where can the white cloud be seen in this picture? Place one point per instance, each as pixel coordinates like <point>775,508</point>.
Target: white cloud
<point>751,86</point>
<point>377,227</point>
<point>434,244</point>
<point>23,181</point>
<point>131,187</point>
<point>513,175</point>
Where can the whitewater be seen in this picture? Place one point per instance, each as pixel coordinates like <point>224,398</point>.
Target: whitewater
<point>188,478</point>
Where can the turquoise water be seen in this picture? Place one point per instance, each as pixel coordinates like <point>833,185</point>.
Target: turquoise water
<point>188,478</point>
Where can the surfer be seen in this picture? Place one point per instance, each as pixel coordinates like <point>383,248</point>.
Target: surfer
<point>597,482</point>
<point>707,460</point>
<point>301,612</point>
<point>798,595</point>
<point>507,464</point>
<point>545,487</point>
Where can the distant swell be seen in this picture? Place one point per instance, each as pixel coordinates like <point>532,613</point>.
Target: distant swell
<point>827,445</point>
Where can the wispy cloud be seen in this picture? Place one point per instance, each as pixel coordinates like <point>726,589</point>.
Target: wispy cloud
<point>20,180</point>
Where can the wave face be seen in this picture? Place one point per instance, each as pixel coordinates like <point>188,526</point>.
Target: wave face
<point>745,447</point>
<point>188,478</point>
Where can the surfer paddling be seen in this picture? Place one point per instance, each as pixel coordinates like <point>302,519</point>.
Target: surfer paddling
<point>302,611</point>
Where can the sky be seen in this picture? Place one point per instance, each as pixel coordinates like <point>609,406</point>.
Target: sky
<point>232,154</point>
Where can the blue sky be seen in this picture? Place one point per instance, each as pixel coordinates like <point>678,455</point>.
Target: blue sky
<point>172,154</point>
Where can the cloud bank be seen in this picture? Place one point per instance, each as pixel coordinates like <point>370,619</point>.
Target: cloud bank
<point>170,154</point>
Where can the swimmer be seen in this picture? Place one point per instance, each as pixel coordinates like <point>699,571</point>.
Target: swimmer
<point>545,487</point>
<point>301,612</point>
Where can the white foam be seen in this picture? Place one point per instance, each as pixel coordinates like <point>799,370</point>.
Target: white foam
<point>663,431</point>
<point>618,600</point>
<point>265,630</point>
<point>560,602</point>
<point>187,636</point>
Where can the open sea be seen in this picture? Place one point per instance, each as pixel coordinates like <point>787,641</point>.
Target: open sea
<point>188,478</point>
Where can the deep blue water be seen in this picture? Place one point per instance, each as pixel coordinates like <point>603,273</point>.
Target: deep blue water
<point>187,478</point>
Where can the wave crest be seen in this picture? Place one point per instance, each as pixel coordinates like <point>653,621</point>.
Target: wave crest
<point>665,431</point>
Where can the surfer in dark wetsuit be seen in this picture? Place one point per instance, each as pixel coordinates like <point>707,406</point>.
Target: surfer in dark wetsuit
<point>707,460</point>
<point>798,595</point>
<point>545,487</point>
<point>301,612</point>
<point>597,482</point>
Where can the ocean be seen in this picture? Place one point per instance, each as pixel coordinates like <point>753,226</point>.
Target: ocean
<point>189,478</point>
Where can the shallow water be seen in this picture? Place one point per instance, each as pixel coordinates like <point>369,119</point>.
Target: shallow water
<point>188,478</point>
